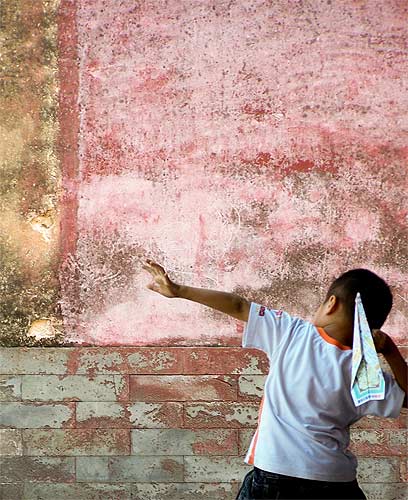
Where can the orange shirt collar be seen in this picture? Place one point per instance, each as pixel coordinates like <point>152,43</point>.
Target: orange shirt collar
<point>331,340</point>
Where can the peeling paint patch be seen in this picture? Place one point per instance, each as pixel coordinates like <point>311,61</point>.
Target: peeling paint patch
<point>43,224</point>
<point>42,329</point>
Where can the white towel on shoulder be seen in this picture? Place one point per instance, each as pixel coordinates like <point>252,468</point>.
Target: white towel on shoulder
<point>367,380</point>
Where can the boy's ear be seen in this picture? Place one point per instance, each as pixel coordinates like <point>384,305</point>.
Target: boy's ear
<point>332,304</point>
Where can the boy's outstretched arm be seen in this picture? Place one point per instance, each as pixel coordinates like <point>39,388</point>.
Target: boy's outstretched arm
<point>386,346</point>
<point>228,303</point>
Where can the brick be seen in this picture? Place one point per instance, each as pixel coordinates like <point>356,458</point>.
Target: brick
<point>379,443</point>
<point>184,442</point>
<point>33,360</point>
<point>102,414</point>
<point>91,360</point>
<point>137,360</point>
<point>214,469</point>
<point>225,360</point>
<point>156,415</point>
<point>244,440</point>
<point>10,442</point>
<point>136,469</point>
<point>227,415</point>
<point>371,422</point>
<point>10,388</point>
<point>76,442</point>
<point>368,442</point>
<point>152,360</point>
<point>251,386</point>
<point>74,388</point>
<point>11,491</point>
<point>371,437</point>
<point>384,491</point>
<point>183,491</point>
<point>398,438</point>
<point>90,469</point>
<point>140,415</point>
<point>147,469</point>
<point>77,491</point>
<point>182,388</point>
<point>379,469</point>
<point>18,469</point>
<point>34,415</point>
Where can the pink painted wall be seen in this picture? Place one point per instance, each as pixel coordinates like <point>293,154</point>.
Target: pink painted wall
<point>256,147</point>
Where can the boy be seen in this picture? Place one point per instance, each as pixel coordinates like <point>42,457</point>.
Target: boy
<point>299,449</point>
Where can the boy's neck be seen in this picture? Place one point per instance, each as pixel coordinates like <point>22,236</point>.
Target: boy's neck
<point>341,333</point>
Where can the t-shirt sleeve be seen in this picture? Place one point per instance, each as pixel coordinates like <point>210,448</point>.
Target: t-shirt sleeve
<point>390,406</point>
<point>265,328</point>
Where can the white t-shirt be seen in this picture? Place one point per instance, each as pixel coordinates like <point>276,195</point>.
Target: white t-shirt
<point>307,408</point>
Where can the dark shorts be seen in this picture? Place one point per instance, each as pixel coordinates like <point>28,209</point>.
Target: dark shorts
<point>268,485</point>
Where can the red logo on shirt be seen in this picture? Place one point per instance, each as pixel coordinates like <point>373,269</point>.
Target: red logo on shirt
<point>279,313</point>
<point>262,311</point>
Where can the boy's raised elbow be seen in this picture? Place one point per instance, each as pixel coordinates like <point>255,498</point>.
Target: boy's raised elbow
<point>243,309</point>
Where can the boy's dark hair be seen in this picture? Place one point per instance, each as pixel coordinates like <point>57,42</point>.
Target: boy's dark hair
<point>375,294</point>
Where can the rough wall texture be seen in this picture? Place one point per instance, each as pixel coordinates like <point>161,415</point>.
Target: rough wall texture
<point>30,177</point>
<point>256,147</point>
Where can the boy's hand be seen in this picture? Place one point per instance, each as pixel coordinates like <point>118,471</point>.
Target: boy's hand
<point>161,282</point>
<point>385,345</point>
<point>228,303</point>
<point>382,341</point>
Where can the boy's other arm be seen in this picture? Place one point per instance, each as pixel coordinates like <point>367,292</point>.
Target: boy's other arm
<point>228,303</point>
<point>386,346</point>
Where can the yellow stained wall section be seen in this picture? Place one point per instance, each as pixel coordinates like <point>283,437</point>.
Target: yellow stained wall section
<point>30,174</point>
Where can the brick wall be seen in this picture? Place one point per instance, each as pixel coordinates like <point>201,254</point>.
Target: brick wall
<point>150,423</point>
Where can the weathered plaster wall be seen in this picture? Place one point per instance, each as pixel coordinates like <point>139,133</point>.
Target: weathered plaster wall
<point>258,147</point>
<point>30,174</point>
<point>254,147</point>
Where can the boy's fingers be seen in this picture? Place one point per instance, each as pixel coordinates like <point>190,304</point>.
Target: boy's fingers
<point>149,270</point>
<point>151,265</point>
<point>158,268</point>
<point>154,265</point>
<point>148,264</point>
